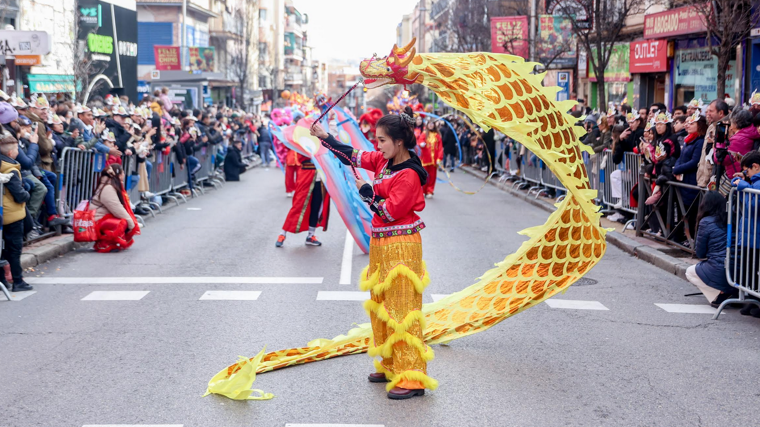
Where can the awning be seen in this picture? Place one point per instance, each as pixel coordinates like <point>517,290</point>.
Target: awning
<point>51,83</point>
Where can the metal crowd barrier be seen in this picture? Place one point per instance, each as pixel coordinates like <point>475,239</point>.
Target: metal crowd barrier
<point>78,178</point>
<point>671,220</point>
<point>630,178</point>
<point>743,246</point>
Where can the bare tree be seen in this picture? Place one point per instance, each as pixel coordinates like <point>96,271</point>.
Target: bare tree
<point>469,23</point>
<point>608,18</point>
<point>546,53</point>
<point>728,22</point>
<point>244,47</point>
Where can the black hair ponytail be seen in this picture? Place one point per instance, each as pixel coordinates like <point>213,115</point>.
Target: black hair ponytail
<point>400,127</point>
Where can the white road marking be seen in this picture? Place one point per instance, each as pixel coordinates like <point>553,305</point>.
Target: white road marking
<point>342,296</point>
<point>348,253</point>
<point>437,297</point>
<point>172,280</point>
<point>115,296</point>
<point>334,425</point>
<point>18,296</point>
<point>230,296</point>
<point>687,308</point>
<point>193,209</point>
<point>133,425</point>
<point>575,304</point>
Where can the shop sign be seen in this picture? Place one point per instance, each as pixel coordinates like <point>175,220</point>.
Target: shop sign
<point>649,56</point>
<point>674,22</point>
<point>51,83</point>
<point>24,42</point>
<point>201,59</point>
<point>580,10</point>
<point>698,68</point>
<point>555,35</point>
<point>100,44</point>
<point>617,68</point>
<point>89,15</point>
<point>167,58</point>
<point>509,34</point>
<point>755,32</point>
<point>28,60</point>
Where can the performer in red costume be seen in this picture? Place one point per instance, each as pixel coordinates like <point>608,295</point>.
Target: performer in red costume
<point>431,153</point>
<point>292,165</point>
<point>311,204</point>
<point>367,124</point>
<point>396,275</point>
<point>116,223</point>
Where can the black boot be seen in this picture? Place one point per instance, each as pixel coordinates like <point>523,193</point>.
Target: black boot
<point>21,286</point>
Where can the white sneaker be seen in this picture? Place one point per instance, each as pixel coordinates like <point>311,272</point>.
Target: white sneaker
<point>290,194</point>
<point>428,196</point>
<point>615,217</point>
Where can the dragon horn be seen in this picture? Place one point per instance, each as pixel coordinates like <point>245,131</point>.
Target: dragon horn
<point>404,49</point>
<point>404,62</point>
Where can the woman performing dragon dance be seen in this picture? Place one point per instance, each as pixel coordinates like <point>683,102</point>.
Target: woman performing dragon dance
<point>496,91</point>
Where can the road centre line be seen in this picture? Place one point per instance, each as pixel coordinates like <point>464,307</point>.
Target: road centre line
<point>172,280</point>
<point>348,253</point>
<point>133,425</point>
<point>334,425</point>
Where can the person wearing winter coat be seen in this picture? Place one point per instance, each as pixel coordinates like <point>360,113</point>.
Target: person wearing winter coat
<point>686,167</point>
<point>710,274</point>
<point>14,212</point>
<point>739,144</point>
<point>233,162</point>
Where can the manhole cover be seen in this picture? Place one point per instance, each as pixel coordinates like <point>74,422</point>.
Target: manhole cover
<point>585,282</point>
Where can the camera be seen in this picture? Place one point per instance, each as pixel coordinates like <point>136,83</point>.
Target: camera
<point>721,130</point>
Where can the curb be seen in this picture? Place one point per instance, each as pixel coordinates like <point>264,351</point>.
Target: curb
<point>641,251</point>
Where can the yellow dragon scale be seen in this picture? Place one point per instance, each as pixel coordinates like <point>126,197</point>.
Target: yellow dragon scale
<point>495,91</point>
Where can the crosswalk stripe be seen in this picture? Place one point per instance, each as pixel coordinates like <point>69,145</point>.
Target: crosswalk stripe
<point>18,296</point>
<point>133,425</point>
<point>115,296</point>
<point>334,425</point>
<point>172,280</point>
<point>687,308</point>
<point>342,296</point>
<point>230,296</point>
<point>575,304</point>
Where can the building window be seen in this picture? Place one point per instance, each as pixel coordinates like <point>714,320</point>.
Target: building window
<point>263,14</point>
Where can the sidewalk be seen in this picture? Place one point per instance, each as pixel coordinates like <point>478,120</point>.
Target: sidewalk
<point>669,259</point>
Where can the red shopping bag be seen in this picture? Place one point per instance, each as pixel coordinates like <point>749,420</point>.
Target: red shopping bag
<point>84,226</point>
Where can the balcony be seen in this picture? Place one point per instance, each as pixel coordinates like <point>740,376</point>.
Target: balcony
<point>438,8</point>
<point>294,78</point>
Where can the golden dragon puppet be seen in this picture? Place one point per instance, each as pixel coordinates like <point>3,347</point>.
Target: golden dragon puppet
<point>496,91</point>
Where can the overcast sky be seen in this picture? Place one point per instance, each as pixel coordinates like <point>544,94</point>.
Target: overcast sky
<point>353,29</point>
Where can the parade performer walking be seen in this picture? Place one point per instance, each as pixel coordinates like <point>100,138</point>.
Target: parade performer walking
<point>431,153</point>
<point>292,166</point>
<point>311,204</point>
<point>368,124</point>
<point>396,273</point>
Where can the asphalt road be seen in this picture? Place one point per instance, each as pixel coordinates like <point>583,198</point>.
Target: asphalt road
<point>73,362</point>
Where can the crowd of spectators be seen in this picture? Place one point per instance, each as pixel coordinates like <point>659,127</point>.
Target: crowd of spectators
<point>37,132</point>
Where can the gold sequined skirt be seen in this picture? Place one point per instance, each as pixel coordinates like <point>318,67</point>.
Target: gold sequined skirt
<point>396,278</point>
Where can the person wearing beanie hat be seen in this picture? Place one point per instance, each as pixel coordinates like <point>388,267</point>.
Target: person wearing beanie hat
<point>7,113</point>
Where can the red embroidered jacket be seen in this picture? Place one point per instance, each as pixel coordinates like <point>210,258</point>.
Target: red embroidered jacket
<point>398,196</point>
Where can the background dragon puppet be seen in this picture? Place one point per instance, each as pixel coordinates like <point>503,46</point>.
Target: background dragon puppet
<point>496,91</point>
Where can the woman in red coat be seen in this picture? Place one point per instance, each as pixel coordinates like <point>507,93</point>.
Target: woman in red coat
<point>396,273</point>
<point>431,153</point>
<point>311,205</point>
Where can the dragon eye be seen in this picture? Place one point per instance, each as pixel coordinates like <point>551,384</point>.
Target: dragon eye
<point>389,68</point>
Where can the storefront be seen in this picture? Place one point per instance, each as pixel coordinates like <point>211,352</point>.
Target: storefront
<point>109,28</point>
<point>692,68</point>
<point>21,50</point>
<point>649,66</point>
<point>617,78</point>
<point>753,62</point>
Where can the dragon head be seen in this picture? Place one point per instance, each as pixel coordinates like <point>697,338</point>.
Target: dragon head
<point>391,69</point>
